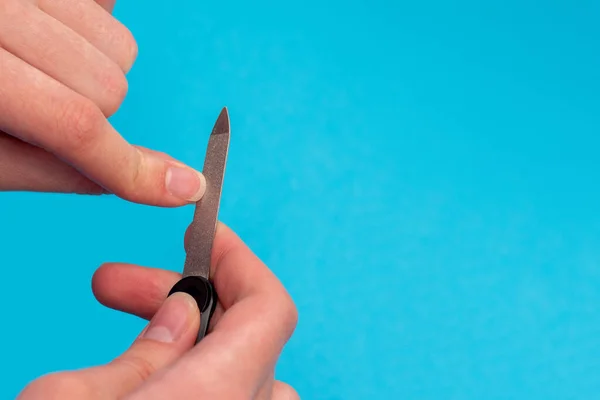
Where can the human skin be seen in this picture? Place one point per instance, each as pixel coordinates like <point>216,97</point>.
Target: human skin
<point>62,74</point>
<point>63,66</point>
<point>254,319</point>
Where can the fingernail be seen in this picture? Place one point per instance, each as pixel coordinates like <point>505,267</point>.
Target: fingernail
<point>172,319</point>
<point>185,183</point>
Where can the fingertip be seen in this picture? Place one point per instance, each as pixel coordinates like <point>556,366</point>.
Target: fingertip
<point>100,282</point>
<point>283,391</point>
<point>113,283</point>
<point>177,319</point>
<point>108,5</point>
<point>131,288</point>
<point>157,179</point>
<point>184,183</point>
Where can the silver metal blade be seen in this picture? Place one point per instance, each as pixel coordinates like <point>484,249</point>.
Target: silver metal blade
<point>202,229</point>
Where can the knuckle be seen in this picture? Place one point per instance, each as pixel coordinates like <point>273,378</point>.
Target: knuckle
<point>289,315</point>
<point>139,367</point>
<point>78,123</point>
<point>134,185</point>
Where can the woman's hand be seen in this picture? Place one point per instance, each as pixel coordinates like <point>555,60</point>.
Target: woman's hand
<point>62,73</point>
<point>254,319</point>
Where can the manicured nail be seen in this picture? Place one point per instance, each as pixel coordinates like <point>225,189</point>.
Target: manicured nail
<point>185,183</point>
<point>172,319</point>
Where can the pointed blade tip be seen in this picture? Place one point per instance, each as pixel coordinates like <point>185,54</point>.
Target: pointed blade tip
<point>222,124</point>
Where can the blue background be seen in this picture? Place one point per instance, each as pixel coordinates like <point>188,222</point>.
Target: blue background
<point>422,176</point>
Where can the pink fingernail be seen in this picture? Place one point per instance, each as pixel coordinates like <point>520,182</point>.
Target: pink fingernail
<point>185,183</point>
<point>172,319</point>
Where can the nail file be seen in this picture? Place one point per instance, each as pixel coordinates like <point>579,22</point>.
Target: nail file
<point>196,271</point>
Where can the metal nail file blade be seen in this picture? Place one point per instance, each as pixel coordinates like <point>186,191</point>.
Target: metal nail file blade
<point>201,232</point>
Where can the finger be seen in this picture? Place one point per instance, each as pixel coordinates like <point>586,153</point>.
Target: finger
<point>137,290</point>
<point>24,167</point>
<point>51,47</point>
<point>244,346</point>
<point>171,332</point>
<point>283,391</point>
<point>141,290</point>
<point>108,5</point>
<point>266,390</point>
<point>92,22</point>
<point>157,154</point>
<point>43,112</point>
<point>132,289</point>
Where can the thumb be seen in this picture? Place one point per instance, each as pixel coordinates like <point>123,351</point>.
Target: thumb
<point>171,332</point>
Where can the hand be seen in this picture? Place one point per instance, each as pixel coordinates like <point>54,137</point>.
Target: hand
<point>62,73</point>
<point>254,319</point>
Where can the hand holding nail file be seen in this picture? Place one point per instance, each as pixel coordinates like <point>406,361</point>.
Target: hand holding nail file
<point>196,280</point>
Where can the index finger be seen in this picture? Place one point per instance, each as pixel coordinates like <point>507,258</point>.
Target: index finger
<point>41,111</point>
<point>240,353</point>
